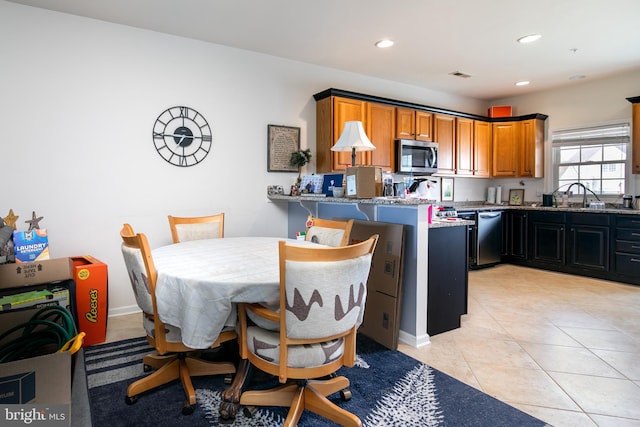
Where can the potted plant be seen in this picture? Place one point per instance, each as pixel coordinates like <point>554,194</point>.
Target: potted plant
<point>299,159</point>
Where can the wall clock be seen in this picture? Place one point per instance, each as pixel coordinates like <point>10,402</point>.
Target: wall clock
<point>182,136</point>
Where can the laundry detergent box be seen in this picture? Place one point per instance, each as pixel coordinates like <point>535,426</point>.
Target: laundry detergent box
<point>32,245</point>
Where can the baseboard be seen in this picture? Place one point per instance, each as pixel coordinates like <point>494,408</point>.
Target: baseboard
<point>412,340</point>
<point>123,311</point>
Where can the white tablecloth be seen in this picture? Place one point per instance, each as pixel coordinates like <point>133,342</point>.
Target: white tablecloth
<point>199,282</point>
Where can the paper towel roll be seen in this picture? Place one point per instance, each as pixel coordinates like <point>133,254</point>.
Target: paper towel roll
<point>491,195</point>
<point>499,194</point>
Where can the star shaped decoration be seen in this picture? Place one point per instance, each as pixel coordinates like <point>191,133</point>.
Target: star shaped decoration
<point>33,222</point>
<point>11,219</point>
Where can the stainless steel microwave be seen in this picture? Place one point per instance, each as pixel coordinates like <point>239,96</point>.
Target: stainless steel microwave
<point>416,156</point>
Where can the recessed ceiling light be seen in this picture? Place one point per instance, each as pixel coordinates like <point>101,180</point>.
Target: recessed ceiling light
<point>384,43</point>
<point>522,83</point>
<point>529,38</point>
<point>578,77</point>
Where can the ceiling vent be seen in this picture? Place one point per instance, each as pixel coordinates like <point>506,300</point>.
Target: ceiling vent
<point>460,74</point>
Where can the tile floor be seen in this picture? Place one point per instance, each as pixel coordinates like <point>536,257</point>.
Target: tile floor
<point>562,348</point>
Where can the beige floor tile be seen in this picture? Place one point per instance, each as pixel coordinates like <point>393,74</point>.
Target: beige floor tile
<point>604,421</point>
<point>626,363</point>
<point>558,417</point>
<point>521,386</point>
<point>570,360</point>
<point>603,339</point>
<point>507,354</point>
<point>541,332</point>
<point>604,396</point>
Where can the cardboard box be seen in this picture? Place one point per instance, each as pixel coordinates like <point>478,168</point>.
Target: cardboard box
<point>386,266</point>
<point>30,246</point>
<point>500,111</point>
<point>384,287</point>
<point>34,273</point>
<point>39,387</point>
<point>92,298</point>
<point>364,182</point>
<point>381,319</point>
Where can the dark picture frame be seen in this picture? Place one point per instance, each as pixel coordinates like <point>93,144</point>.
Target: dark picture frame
<point>281,142</point>
<point>516,197</point>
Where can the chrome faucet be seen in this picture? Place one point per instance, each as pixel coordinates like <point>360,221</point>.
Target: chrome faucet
<point>585,189</point>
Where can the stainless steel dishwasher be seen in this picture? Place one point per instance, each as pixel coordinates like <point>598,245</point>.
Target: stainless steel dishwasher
<point>485,237</point>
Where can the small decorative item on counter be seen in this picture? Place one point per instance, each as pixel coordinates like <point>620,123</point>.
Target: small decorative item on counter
<point>299,159</point>
<point>301,235</point>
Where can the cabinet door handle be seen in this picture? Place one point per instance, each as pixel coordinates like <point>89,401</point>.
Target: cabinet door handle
<point>635,247</point>
<point>635,234</point>
<point>635,260</point>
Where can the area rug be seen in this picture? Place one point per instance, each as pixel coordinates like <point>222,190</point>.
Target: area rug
<point>388,388</point>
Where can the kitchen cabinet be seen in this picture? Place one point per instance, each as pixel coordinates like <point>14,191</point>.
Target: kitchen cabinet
<point>465,162</point>
<point>531,153</point>
<point>571,242</point>
<point>518,149</point>
<point>444,133</point>
<point>473,148</point>
<point>414,124</point>
<point>331,114</point>
<point>627,247</point>
<point>505,146</point>
<point>448,278</point>
<point>514,236</point>
<point>547,232</point>
<point>380,128</point>
<point>588,241</point>
<point>635,137</point>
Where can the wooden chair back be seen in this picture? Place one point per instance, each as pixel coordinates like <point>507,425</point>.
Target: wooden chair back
<point>194,228</point>
<point>330,232</point>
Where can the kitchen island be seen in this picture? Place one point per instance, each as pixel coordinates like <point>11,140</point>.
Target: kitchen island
<point>414,215</point>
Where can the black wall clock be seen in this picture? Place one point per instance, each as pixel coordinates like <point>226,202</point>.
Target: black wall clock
<point>182,136</point>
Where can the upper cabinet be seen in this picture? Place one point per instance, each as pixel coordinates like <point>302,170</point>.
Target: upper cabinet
<point>444,133</point>
<point>331,115</point>
<point>414,124</point>
<point>518,149</point>
<point>635,137</point>
<point>380,128</point>
<point>468,145</point>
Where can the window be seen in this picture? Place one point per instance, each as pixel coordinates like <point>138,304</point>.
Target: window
<point>596,157</point>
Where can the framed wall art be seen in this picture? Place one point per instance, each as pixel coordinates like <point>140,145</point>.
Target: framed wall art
<point>516,197</point>
<point>281,142</point>
<point>447,189</point>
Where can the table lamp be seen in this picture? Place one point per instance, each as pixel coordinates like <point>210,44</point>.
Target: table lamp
<point>353,138</point>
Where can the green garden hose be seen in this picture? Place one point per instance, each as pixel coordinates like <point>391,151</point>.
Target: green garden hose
<point>48,330</point>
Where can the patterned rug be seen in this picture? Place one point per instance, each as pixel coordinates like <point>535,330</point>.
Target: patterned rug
<point>388,388</point>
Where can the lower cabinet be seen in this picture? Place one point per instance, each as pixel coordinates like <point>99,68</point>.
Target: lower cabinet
<point>627,247</point>
<point>548,236</point>
<point>589,241</point>
<point>571,242</point>
<point>448,278</point>
<point>514,236</point>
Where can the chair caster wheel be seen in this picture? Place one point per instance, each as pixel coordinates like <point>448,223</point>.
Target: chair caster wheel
<point>248,411</point>
<point>188,409</point>
<point>130,400</point>
<point>147,368</point>
<point>345,394</point>
<point>228,379</point>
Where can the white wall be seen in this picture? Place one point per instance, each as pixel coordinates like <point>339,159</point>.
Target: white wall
<point>80,97</point>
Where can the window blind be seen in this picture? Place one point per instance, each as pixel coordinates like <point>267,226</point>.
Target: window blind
<point>608,134</point>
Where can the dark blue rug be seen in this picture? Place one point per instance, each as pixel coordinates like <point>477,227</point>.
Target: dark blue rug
<point>388,388</point>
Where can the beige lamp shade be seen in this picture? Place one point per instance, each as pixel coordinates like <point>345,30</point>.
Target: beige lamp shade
<point>353,138</point>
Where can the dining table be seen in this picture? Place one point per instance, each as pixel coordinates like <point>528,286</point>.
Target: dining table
<point>200,282</point>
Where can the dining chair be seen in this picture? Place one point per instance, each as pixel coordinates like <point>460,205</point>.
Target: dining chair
<point>322,299</point>
<point>329,232</point>
<point>173,360</point>
<point>194,228</point>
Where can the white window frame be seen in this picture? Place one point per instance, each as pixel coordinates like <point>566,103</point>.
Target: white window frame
<point>613,133</point>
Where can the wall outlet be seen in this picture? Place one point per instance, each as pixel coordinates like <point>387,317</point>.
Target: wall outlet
<point>538,193</point>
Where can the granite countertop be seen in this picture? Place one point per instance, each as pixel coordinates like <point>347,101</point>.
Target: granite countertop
<point>460,206</point>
